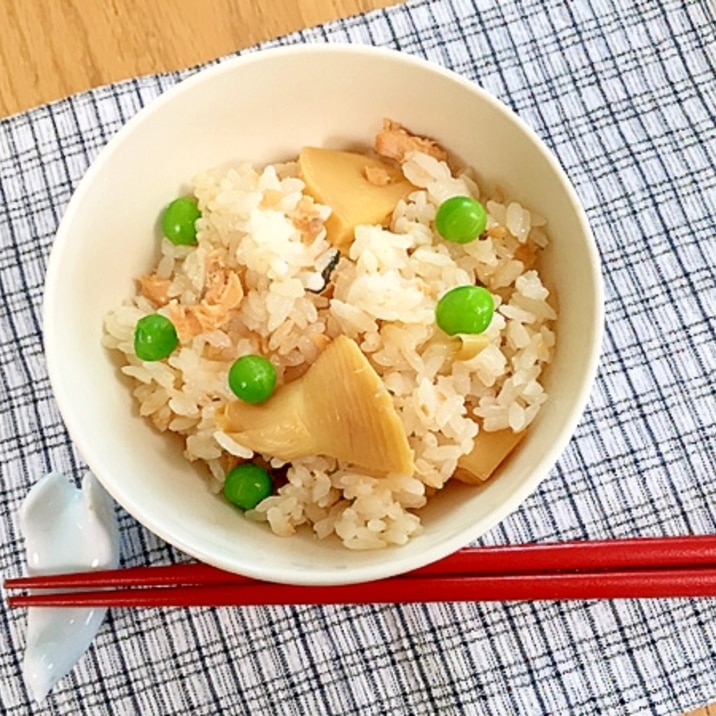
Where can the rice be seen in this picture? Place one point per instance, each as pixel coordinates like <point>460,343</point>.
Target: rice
<point>259,229</point>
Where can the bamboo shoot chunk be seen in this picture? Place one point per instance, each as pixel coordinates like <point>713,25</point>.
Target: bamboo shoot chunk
<point>489,451</point>
<point>358,188</point>
<point>339,407</point>
<point>469,345</point>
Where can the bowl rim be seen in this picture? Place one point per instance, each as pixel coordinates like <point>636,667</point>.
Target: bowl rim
<point>72,416</point>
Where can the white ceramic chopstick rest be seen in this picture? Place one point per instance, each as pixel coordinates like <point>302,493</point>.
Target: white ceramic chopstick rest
<point>65,529</point>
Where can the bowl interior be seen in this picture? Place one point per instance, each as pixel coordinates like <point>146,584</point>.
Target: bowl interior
<point>263,108</point>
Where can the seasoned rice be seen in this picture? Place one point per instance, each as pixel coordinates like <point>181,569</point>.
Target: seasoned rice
<point>255,283</point>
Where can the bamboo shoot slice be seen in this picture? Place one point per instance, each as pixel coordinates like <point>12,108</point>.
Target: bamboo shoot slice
<point>339,407</point>
<point>489,451</point>
<point>358,188</point>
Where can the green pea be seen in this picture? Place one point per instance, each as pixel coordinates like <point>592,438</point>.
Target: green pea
<point>179,221</point>
<point>460,219</point>
<point>154,337</point>
<point>465,309</point>
<point>252,378</point>
<point>246,485</point>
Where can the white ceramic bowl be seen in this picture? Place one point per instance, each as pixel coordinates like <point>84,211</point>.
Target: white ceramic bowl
<point>263,107</point>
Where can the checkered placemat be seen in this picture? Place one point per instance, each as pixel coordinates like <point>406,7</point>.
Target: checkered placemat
<point>625,95</point>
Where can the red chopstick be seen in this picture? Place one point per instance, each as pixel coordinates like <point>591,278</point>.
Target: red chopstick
<point>698,582</point>
<point>630,568</point>
<point>168,575</point>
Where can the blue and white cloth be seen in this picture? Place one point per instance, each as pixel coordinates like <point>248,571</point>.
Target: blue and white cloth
<point>624,93</point>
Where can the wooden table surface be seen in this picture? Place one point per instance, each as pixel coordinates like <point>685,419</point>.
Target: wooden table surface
<point>52,48</point>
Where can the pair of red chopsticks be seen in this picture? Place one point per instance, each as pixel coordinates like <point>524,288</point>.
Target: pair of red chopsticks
<point>627,568</point>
